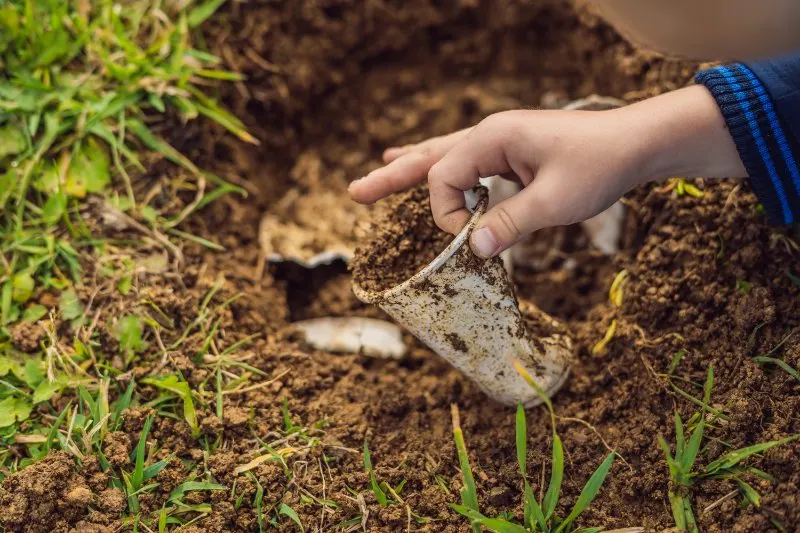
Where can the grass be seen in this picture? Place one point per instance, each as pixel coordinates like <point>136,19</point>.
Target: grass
<point>539,514</point>
<point>768,359</point>
<point>84,90</point>
<point>377,491</point>
<point>686,475</point>
<point>82,95</point>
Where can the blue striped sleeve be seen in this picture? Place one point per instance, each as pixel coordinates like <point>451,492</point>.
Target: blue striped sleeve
<point>768,149</point>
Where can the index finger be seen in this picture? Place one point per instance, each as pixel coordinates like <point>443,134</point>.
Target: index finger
<point>481,154</point>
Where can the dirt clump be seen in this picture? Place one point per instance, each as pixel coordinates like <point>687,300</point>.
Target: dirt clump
<point>405,240</point>
<point>117,448</point>
<point>50,495</point>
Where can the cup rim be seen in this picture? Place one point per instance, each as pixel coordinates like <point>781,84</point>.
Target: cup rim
<point>379,296</point>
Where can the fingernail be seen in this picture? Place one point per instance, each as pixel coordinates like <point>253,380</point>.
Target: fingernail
<point>483,243</point>
<point>354,182</point>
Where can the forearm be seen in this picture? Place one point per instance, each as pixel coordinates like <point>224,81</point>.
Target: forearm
<point>681,133</point>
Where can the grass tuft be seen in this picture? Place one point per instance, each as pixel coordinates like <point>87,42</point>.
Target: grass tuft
<point>538,516</point>
<point>684,473</point>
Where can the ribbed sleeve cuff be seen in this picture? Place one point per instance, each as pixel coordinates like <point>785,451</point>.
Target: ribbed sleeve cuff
<point>768,155</point>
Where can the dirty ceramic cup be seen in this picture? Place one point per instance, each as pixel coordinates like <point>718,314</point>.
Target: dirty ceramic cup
<point>464,309</point>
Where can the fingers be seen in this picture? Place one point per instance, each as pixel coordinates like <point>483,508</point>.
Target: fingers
<point>406,166</point>
<point>390,154</point>
<point>400,174</point>
<point>482,153</point>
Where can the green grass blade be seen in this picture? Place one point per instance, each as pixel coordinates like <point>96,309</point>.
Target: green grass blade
<point>782,364</point>
<point>691,523</point>
<point>537,389</point>
<point>219,405</point>
<point>749,493</point>
<point>733,458</point>
<point>287,511</point>
<point>589,492</point>
<point>674,467</point>
<point>380,495</point>
<point>179,387</point>
<point>199,13</point>
<point>137,478</point>
<point>226,120</point>
<point>556,477</point>
<point>121,404</point>
<point>499,525</point>
<point>467,512</point>
<point>190,486</point>
<point>709,384</point>
<point>689,456</point>
<point>762,474</point>
<point>533,511</point>
<point>162,520</point>
<point>469,494</point>
<point>153,470</point>
<point>199,240</point>
<point>678,510</point>
<point>522,441</point>
<point>679,438</point>
<point>54,428</point>
<point>159,145</point>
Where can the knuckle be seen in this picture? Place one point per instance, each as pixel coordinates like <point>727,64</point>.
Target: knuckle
<point>502,126</point>
<point>425,150</point>
<point>435,175</point>
<point>507,226</point>
<point>493,121</point>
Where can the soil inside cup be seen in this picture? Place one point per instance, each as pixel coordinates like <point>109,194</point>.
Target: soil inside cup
<point>403,240</point>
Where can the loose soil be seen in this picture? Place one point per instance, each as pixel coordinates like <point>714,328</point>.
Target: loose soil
<point>404,241</point>
<point>338,81</point>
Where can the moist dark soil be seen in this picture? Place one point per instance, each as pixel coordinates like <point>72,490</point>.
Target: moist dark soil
<point>403,241</point>
<point>337,81</point>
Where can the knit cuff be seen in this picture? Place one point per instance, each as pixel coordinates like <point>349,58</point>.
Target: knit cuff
<point>768,155</point>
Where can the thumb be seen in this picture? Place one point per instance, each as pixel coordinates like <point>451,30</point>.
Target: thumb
<point>505,224</point>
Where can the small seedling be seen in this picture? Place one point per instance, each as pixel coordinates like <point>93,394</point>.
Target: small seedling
<point>682,187</point>
<point>744,287</point>
<point>134,481</point>
<point>616,293</point>
<point>380,495</point>
<point>685,475</point>
<point>539,516</point>
<point>600,346</point>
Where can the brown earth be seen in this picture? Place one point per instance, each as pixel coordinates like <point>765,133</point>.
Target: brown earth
<point>401,243</point>
<point>340,81</point>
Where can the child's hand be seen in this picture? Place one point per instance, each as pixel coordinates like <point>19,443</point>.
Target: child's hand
<point>572,164</point>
